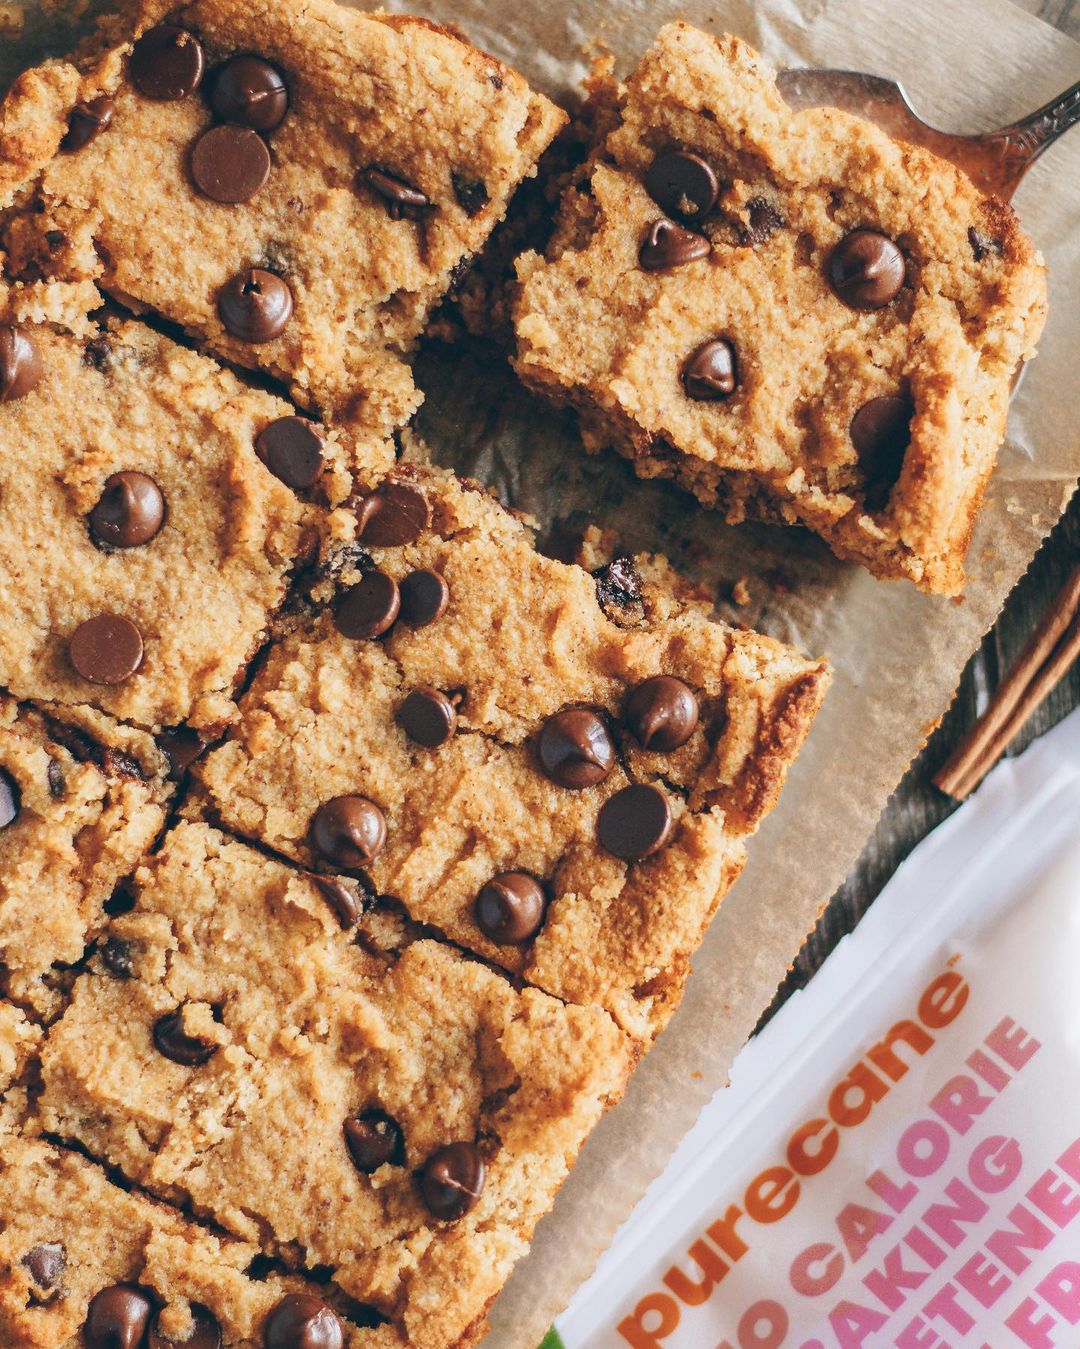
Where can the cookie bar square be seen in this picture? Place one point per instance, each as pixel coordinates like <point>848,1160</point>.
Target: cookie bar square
<point>145,544</point>
<point>385,1108</point>
<point>564,789</point>
<point>296,184</point>
<point>75,818</point>
<point>85,1264</point>
<point>794,316</point>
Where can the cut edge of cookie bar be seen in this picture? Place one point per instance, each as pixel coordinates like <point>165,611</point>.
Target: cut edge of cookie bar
<point>343,349</point>
<point>792,186</point>
<point>220,1067</point>
<point>523,641</point>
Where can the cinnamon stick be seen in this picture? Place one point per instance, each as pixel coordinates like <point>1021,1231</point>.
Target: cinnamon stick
<point>1047,657</point>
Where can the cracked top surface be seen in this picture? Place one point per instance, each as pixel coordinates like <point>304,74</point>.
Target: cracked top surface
<point>522,638</point>
<point>202,589</point>
<point>306,1026</point>
<point>613,337</point>
<point>399,95</point>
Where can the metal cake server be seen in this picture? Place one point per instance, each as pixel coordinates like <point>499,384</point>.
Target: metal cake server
<point>995,161</point>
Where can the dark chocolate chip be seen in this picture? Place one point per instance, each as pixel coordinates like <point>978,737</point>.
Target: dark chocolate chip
<point>117,1318</point>
<point>982,245</point>
<point>635,822</point>
<point>255,306</point>
<point>683,184</point>
<point>662,712</point>
<point>291,449</point>
<point>56,238</point>
<point>167,63</point>
<point>881,432</point>
<point>98,354</point>
<point>428,717</point>
<point>453,1180</point>
<point>176,1044</point>
<point>397,513</point>
<point>106,649</point>
<point>9,799</point>
<point>181,746</point>
<point>87,122</point>
<point>229,164</point>
<point>116,957</point>
<point>205,1332</point>
<point>250,92</point>
<point>575,749</point>
<point>302,1321</point>
<point>401,198</point>
<point>471,193</point>
<point>374,1139</point>
<point>764,219</point>
<point>54,775</point>
<point>866,269</point>
<point>45,1263</point>
<point>667,245</point>
<point>368,608</point>
<point>348,830</point>
<point>129,512</point>
<point>116,764</point>
<point>342,900</point>
<point>510,908</point>
<point>618,584</point>
<point>710,373</point>
<point>20,363</point>
<point>424,598</point>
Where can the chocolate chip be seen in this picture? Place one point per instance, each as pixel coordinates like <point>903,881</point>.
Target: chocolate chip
<point>471,193</point>
<point>54,775</point>
<point>55,238</point>
<point>255,306</point>
<point>302,1321</point>
<point>181,746</point>
<point>116,957</point>
<point>397,513</point>
<point>401,198</point>
<point>175,1043</point>
<point>20,363</point>
<point>510,908</point>
<point>428,717</point>
<point>635,822</point>
<point>710,372</point>
<point>424,598</point>
<point>374,1139</point>
<point>129,512</point>
<point>107,649</point>
<point>348,830</point>
<point>167,63</point>
<point>250,92</point>
<point>764,219</point>
<point>575,749</point>
<point>662,712</point>
<point>205,1332</point>
<point>9,799</point>
<point>87,122</point>
<point>667,245</point>
<point>618,584</point>
<point>881,432</point>
<point>982,245</point>
<point>45,1263</point>
<point>368,608</point>
<point>117,1318</point>
<point>452,1181</point>
<point>229,164</point>
<point>341,899</point>
<point>683,184</point>
<point>98,354</point>
<point>291,449</point>
<point>866,269</point>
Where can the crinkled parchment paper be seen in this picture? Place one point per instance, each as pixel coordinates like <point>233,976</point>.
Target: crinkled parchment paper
<point>968,65</point>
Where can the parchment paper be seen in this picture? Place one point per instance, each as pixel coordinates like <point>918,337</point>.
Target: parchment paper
<point>969,65</point>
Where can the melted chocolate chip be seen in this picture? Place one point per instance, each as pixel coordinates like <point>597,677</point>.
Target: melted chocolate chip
<point>424,598</point>
<point>130,511</point>
<point>255,306</point>
<point>87,122</point>
<point>205,1332</point>
<point>9,799</point>
<point>229,164</point>
<point>575,749</point>
<point>510,908</point>
<point>107,649</point>
<point>170,1038</point>
<point>428,717</point>
<point>764,219</point>
<point>710,373</point>
<point>117,1318</point>
<point>396,514</point>
<point>116,957</point>
<point>618,584</point>
<point>403,201</point>
<point>866,269</point>
<point>250,92</point>
<point>291,449</point>
<point>341,899</point>
<point>881,432</point>
<point>167,63</point>
<point>348,830</point>
<point>20,363</point>
<point>368,608</point>
<point>471,193</point>
<point>662,712</point>
<point>54,775</point>
<point>45,1263</point>
<point>302,1321</point>
<point>453,1180</point>
<point>667,245</point>
<point>635,822</point>
<point>374,1139</point>
<point>683,184</point>
<point>181,746</point>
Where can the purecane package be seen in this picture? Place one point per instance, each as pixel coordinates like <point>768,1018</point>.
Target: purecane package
<point>897,1161</point>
